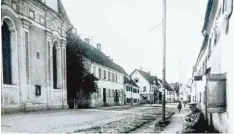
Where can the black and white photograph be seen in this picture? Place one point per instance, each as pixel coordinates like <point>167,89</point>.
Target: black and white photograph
<point>117,66</point>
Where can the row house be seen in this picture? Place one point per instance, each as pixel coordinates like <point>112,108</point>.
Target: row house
<point>213,72</point>
<point>132,90</point>
<point>110,77</point>
<point>33,55</point>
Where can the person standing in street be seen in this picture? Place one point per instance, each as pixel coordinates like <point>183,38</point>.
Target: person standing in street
<point>179,107</point>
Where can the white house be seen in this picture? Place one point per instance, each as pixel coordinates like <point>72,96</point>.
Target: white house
<point>34,55</point>
<point>213,73</point>
<point>132,95</point>
<point>147,84</point>
<point>111,77</point>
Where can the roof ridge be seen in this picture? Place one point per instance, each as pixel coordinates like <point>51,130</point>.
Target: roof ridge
<point>101,58</point>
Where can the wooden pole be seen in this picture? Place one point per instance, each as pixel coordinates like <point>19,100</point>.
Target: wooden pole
<point>164,60</point>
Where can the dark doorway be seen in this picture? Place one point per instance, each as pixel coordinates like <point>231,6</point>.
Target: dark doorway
<point>104,95</point>
<point>54,66</point>
<point>160,97</point>
<point>6,54</point>
<point>124,99</point>
<point>116,96</point>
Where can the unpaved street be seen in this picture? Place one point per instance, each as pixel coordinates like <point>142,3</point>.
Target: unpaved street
<point>82,120</point>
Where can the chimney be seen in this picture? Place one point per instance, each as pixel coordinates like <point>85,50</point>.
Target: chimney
<point>141,68</point>
<point>108,57</point>
<point>99,46</point>
<point>149,72</point>
<point>87,40</point>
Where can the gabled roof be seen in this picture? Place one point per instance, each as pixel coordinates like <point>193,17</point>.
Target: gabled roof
<point>129,81</point>
<point>147,76</point>
<point>151,79</point>
<point>166,85</point>
<point>99,57</point>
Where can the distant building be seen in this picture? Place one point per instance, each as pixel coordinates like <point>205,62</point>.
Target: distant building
<point>132,95</point>
<point>169,92</point>
<point>150,87</point>
<point>147,84</point>
<point>33,55</point>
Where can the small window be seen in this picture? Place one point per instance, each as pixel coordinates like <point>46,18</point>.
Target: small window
<point>144,89</point>
<point>38,55</point>
<point>136,80</point>
<point>42,20</point>
<point>104,74</point>
<point>116,78</point>
<point>113,77</point>
<point>109,77</point>
<point>99,73</point>
<point>31,14</point>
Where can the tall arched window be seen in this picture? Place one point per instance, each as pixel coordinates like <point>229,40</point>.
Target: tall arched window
<point>55,79</point>
<point>6,54</point>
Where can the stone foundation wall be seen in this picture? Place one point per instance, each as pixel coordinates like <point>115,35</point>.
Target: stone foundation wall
<point>30,108</point>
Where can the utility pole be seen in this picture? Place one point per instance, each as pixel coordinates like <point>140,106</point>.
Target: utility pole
<point>180,79</point>
<point>164,60</point>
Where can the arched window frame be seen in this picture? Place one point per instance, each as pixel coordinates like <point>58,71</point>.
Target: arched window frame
<point>14,50</point>
<point>57,80</point>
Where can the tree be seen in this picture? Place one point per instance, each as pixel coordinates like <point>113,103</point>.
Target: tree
<point>77,77</point>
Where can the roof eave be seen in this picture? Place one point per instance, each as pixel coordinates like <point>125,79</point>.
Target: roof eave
<point>207,15</point>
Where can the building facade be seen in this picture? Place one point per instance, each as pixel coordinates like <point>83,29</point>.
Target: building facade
<point>110,86</point>
<point>110,76</point>
<point>216,58</point>
<point>131,96</point>
<point>33,55</point>
<point>170,94</point>
<point>147,84</point>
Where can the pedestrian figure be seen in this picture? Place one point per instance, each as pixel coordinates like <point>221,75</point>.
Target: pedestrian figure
<point>179,107</point>
<point>194,122</point>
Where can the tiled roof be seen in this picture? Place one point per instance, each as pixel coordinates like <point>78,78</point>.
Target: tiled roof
<point>100,58</point>
<point>130,81</point>
<point>147,76</point>
<point>151,79</point>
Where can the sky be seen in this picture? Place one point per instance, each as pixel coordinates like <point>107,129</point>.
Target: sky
<point>122,28</point>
